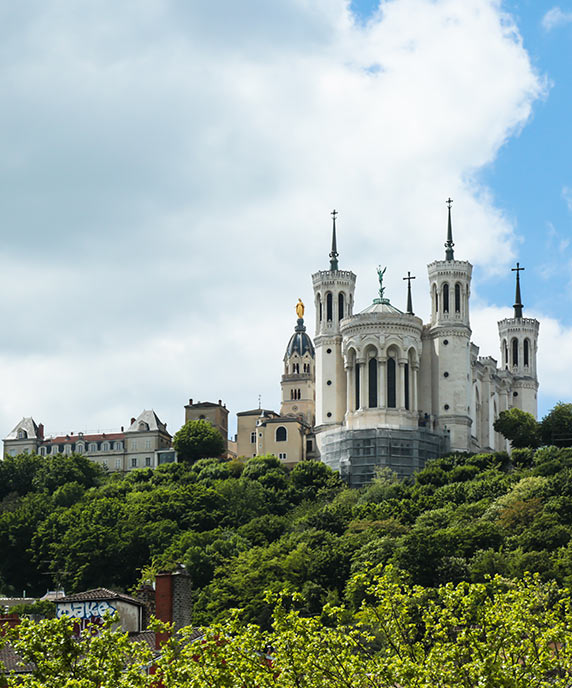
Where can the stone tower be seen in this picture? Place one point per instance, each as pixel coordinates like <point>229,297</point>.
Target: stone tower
<point>449,336</point>
<point>519,346</point>
<point>334,300</point>
<point>298,387</point>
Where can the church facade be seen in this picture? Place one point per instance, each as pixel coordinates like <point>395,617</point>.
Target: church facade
<point>394,391</point>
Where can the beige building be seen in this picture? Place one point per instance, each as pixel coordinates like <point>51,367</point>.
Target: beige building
<point>145,444</point>
<point>215,414</point>
<point>288,434</point>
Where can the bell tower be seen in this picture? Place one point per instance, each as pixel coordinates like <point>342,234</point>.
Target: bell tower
<point>519,346</point>
<point>450,338</point>
<point>298,387</point>
<point>334,301</point>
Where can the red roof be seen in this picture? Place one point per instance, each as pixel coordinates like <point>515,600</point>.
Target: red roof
<point>70,439</point>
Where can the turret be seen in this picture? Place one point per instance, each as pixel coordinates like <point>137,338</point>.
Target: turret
<point>519,346</point>
<point>334,299</point>
<point>450,335</point>
<point>298,387</point>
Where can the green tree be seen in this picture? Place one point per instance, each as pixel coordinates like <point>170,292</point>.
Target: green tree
<point>556,426</point>
<point>62,660</point>
<point>519,427</point>
<point>197,439</point>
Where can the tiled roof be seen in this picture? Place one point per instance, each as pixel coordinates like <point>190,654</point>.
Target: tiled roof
<point>27,424</point>
<point>12,662</point>
<point>99,594</point>
<point>257,412</point>
<point>149,417</point>
<point>71,439</point>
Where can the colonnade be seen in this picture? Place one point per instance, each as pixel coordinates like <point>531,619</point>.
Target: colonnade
<point>382,382</point>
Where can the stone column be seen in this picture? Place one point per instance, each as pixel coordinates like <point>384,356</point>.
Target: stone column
<point>349,388</point>
<point>382,383</point>
<point>363,390</point>
<point>400,400</point>
<point>414,392</point>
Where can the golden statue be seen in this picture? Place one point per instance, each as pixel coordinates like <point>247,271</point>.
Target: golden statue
<point>300,309</point>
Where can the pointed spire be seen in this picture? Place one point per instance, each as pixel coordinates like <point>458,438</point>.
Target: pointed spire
<point>334,251</point>
<point>449,243</point>
<point>517,297</point>
<point>409,300</point>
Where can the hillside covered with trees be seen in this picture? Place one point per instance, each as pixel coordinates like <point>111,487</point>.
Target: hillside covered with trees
<point>242,529</point>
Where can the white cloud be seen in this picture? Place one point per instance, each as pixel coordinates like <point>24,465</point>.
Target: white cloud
<point>555,17</point>
<point>166,180</point>
<point>567,196</point>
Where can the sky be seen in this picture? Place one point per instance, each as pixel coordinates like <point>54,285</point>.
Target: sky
<point>168,169</point>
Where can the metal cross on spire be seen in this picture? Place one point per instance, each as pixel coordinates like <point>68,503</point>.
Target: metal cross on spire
<point>334,251</point>
<point>409,301</point>
<point>517,297</point>
<point>449,243</point>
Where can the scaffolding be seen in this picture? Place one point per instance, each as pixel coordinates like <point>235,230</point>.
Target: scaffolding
<point>358,454</point>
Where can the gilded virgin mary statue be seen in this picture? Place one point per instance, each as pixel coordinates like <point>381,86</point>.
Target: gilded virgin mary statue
<point>300,309</point>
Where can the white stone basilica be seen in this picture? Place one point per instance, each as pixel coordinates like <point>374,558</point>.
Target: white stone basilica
<point>394,391</point>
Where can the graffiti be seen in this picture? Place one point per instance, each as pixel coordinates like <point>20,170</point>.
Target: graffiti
<point>91,609</point>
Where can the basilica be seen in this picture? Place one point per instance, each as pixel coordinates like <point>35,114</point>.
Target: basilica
<point>381,388</point>
<point>374,389</point>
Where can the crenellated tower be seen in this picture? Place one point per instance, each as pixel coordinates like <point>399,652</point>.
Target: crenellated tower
<point>519,346</point>
<point>449,336</point>
<point>334,300</point>
<point>298,388</point>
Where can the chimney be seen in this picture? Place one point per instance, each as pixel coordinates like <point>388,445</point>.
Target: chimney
<point>219,402</point>
<point>122,428</point>
<point>172,600</point>
<point>132,421</point>
<point>8,621</point>
<point>190,402</point>
<point>146,593</point>
<point>41,431</point>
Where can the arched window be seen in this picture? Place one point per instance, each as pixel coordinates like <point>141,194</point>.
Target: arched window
<point>105,446</point>
<point>22,434</point>
<point>526,352</point>
<point>340,305</point>
<point>320,306</point>
<point>515,352</point>
<point>457,298</point>
<point>329,306</point>
<point>42,451</point>
<point>391,397</point>
<point>436,295</point>
<point>357,385</point>
<point>80,447</point>
<point>505,349</point>
<point>143,427</point>
<point>372,382</point>
<point>406,389</point>
<point>93,446</point>
<point>281,434</point>
<point>445,298</point>
<point>118,446</point>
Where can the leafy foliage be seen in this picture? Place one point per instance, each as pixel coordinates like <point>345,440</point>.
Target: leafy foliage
<point>556,426</point>
<point>519,427</point>
<point>499,634</point>
<point>197,439</point>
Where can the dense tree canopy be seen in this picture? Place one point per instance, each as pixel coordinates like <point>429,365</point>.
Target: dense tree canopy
<point>556,426</point>
<point>519,427</point>
<point>197,439</point>
<point>499,634</point>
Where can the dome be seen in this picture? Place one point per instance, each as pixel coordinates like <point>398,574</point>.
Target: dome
<point>300,342</point>
<point>381,306</point>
